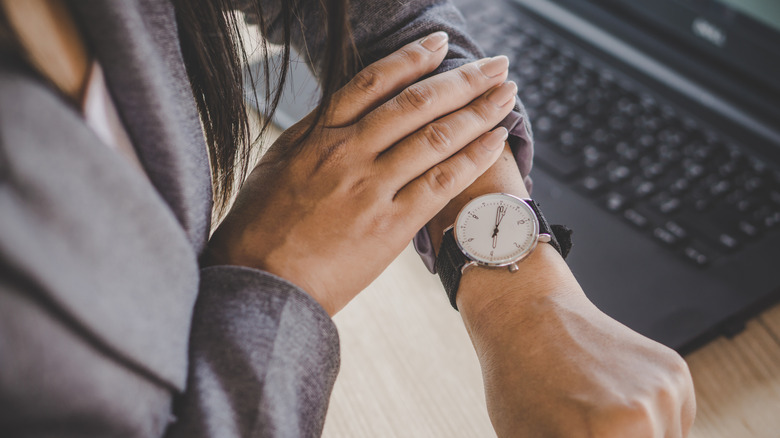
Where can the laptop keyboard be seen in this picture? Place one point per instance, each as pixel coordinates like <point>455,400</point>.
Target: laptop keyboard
<point>666,174</point>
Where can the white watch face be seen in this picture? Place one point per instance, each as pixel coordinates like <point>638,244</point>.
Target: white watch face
<point>496,229</point>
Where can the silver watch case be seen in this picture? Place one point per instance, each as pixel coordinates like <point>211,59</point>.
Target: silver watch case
<point>512,264</point>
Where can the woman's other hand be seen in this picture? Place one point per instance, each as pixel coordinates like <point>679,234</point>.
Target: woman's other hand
<point>556,366</point>
<point>331,212</point>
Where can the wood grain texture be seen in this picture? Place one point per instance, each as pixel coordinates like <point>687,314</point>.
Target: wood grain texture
<point>738,384</point>
<point>409,370</point>
<point>771,321</point>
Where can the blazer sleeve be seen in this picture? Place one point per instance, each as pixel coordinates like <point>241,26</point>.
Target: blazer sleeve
<point>380,27</point>
<point>263,359</point>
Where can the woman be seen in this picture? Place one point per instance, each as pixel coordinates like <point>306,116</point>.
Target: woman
<point>109,325</point>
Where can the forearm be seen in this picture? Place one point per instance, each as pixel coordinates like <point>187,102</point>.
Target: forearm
<point>552,363</point>
<point>480,286</point>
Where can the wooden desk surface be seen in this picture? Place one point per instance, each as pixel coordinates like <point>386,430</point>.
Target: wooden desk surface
<point>408,368</point>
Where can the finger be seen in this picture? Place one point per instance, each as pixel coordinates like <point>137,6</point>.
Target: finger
<point>385,78</point>
<point>689,401</point>
<point>428,194</point>
<point>440,139</point>
<point>427,100</point>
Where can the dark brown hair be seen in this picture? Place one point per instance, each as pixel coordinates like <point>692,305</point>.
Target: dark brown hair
<point>214,53</point>
<point>9,45</point>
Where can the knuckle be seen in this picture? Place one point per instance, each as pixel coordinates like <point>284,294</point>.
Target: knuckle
<point>469,76</point>
<point>438,136</point>
<point>382,224</point>
<point>441,180</point>
<point>364,187</point>
<point>332,153</point>
<point>471,159</point>
<point>369,80</point>
<point>412,55</point>
<point>681,376</point>
<point>642,414</point>
<point>636,415</point>
<point>485,112</point>
<point>416,97</point>
<point>360,186</point>
<point>680,366</point>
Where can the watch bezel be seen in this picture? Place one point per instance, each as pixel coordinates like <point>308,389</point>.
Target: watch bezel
<point>504,263</point>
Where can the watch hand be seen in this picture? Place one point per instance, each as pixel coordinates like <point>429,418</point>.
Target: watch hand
<point>500,215</point>
<point>495,239</point>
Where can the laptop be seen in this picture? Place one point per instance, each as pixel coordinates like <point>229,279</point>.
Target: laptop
<point>657,130</point>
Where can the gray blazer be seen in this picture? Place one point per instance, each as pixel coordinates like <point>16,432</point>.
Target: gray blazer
<point>108,327</point>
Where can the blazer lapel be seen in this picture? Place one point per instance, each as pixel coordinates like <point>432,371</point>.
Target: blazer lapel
<point>136,43</point>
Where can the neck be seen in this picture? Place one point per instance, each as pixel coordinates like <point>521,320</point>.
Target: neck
<point>51,42</point>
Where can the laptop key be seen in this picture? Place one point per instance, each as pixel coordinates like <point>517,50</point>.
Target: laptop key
<point>615,202</point>
<point>618,173</point>
<point>627,152</point>
<point>677,230</point>
<point>771,220</point>
<point>698,254</point>
<point>680,186</point>
<point>593,157</point>
<point>664,236</point>
<point>748,204</point>
<point>767,217</point>
<point>635,218</point>
<point>725,240</point>
<point>638,188</point>
<point>748,229</point>
<point>593,185</point>
<point>653,170</point>
<point>728,241</point>
<point>544,128</point>
<point>720,188</point>
<point>644,189</point>
<point>669,205</point>
<point>753,184</point>
<point>568,142</point>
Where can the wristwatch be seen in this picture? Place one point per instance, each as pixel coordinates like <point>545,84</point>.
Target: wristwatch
<point>496,230</point>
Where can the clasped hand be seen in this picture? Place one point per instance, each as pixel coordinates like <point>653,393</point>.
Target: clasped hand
<point>329,213</point>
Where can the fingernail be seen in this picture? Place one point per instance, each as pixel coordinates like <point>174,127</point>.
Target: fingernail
<point>494,66</point>
<point>435,41</point>
<point>496,138</point>
<point>502,94</point>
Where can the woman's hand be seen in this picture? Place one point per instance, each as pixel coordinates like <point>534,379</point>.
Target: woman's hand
<point>556,366</point>
<point>330,213</point>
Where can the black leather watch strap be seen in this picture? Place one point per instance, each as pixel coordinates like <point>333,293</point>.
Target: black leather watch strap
<point>451,259</point>
<point>544,227</point>
<point>560,235</point>
<point>448,264</point>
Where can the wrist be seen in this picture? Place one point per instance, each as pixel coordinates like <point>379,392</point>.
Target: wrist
<point>503,176</point>
<point>495,297</point>
<point>229,248</point>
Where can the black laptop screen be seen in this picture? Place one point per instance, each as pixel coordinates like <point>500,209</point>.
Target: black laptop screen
<point>744,34</point>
